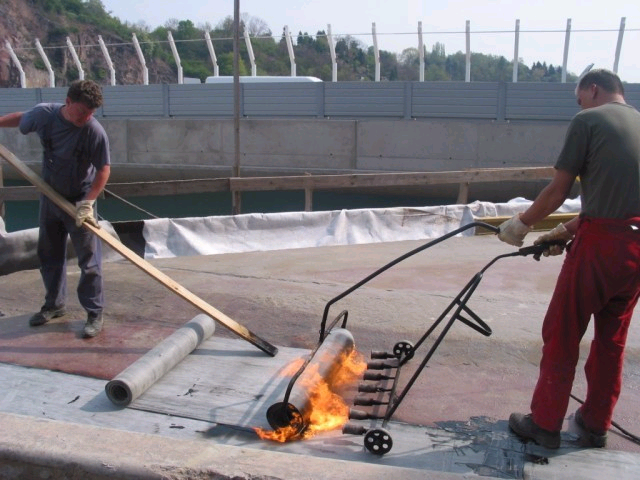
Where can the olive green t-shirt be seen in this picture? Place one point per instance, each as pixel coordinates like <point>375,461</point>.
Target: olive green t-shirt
<point>602,146</point>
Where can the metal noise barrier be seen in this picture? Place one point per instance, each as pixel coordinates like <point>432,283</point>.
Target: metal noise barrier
<point>148,369</point>
<point>325,364</point>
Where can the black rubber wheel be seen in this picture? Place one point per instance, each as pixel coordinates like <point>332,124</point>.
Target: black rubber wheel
<point>378,441</point>
<point>403,348</point>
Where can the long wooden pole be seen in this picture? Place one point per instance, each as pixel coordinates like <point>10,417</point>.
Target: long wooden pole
<point>142,264</point>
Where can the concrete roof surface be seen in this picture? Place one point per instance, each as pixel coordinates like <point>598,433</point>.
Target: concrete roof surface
<point>451,424</point>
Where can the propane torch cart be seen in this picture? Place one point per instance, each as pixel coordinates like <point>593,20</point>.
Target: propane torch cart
<point>381,387</point>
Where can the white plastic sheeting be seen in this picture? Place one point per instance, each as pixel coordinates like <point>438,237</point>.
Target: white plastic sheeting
<point>167,237</point>
<point>276,231</point>
<point>18,250</point>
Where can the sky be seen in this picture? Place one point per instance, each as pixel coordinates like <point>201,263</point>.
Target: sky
<point>594,25</point>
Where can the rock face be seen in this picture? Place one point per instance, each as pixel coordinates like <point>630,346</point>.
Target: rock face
<point>24,21</point>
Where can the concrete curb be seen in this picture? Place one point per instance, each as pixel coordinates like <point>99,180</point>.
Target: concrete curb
<point>41,448</point>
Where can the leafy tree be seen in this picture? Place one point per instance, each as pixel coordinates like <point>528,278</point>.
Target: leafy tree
<point>225,63</point>
<point>438,50</point>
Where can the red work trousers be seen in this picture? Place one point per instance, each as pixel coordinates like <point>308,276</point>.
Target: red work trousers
<point>600,277</point>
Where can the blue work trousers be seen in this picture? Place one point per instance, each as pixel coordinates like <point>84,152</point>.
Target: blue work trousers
<point>55,226</point>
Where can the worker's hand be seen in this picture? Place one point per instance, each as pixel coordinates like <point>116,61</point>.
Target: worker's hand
<point>84,212</point>
<point>559,234</point>
<point>513,231</point>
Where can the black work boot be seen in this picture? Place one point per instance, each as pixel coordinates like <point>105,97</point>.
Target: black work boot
<point>524,426</point>
<point>45,314</point>
<point>93,326</point>
<point>593,438</point>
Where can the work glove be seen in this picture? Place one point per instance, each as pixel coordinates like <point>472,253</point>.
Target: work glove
<point>84,212</point>
<point>513,231</point>
<point>559,234</point>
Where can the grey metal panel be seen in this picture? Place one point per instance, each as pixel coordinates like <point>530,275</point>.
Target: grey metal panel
<point>27,98</point>
<point>632,95</point>
<point>455,99</point>
<point>16,99</point>
<point>527,101</point>
<point>53,95</point>
<point>59,95</point>
<point>541,101</point>
<point>353,99</point>
<point>281,99</point>
<point>201,99</point>
<point>133,100</point>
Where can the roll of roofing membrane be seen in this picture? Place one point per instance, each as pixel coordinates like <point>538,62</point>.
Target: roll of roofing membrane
<point>322,367</point>
<point>134,380</point>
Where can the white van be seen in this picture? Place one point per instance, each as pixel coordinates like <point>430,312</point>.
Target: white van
<point>262,79</point>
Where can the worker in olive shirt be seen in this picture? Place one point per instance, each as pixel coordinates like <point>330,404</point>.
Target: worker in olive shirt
<point>76,164</point>
<point>600,276</point>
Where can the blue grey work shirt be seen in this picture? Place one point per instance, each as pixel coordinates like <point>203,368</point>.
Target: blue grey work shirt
<point>72,155</point>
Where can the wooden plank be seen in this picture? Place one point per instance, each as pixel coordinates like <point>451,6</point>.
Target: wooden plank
<point>18,194</point>
<point>308,200</point>
<point>142,264</point>
<point>170,187</point>
<point>546,224</point>
<point>133,189</point>
<point>463,193</point>
<point>304,182</point>
<point>388,179</point>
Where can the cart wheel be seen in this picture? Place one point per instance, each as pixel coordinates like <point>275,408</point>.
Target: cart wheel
<point>378,441</point>
<point>403,348</point>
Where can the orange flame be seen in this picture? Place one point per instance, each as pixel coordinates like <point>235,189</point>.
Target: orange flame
<point>293,367</point>
<point>327,409</point>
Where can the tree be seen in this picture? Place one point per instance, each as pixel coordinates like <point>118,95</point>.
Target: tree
<point>438,50</point>
<point>255,26</point>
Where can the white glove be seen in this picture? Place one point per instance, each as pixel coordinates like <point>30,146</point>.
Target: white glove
<point>513,231</point>
<point>558,234</point>
<point>84,212</point>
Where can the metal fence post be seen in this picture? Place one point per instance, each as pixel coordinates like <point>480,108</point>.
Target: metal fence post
<point>565,57</point>
<point>623,20</point>
<point>515,52</point>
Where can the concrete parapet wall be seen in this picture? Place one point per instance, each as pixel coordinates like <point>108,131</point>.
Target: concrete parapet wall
<point>162,148</point>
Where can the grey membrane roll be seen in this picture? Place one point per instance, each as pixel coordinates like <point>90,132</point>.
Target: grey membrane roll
<point>134,380</point>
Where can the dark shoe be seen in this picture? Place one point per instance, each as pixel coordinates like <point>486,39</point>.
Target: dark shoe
<point>524,426</point>
<point>593,438</point>
<point>46,314</point>
<point>93,326</point>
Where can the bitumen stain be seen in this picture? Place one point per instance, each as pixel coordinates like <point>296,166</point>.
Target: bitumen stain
<point>504,453</point>
<point>190,391</point>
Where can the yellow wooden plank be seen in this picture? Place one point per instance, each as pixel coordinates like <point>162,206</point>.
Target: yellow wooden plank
<point>546,224</point>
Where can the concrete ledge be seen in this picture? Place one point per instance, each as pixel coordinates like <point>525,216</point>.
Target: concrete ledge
<point>41,448</point>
